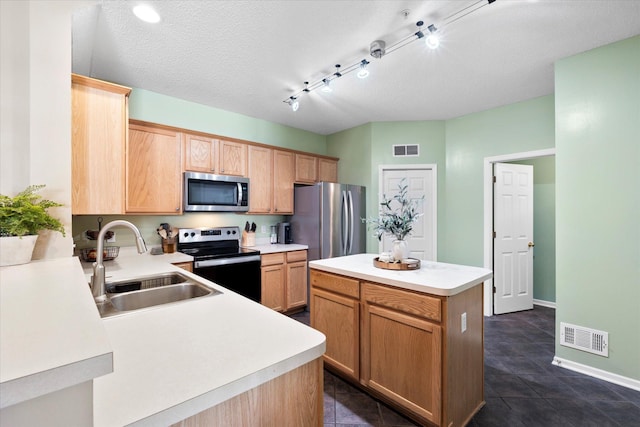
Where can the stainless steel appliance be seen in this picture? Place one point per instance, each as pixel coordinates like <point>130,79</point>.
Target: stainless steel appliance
<point>284,233</point>
<point>328,219</point>
<point>215,193</point>
<point>217,256</point>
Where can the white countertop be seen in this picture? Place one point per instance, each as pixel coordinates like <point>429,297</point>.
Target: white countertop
<point>436,278</point>
<point>51,336</point>
<point>268,248</point>
<point>173,361</point>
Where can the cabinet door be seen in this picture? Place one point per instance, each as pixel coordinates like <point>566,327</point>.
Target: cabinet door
<point>260,177</point>
<point>99,120</point>
<point>296,295</point>
<point>273,281</point>
<point>200,153</point>
<point>153,171</point>
<point>184,265</point>
<point>327,170</point>
<point>283,177</point>
<point>401,356</point>
<point>233,158</point>
<point>306,168</point>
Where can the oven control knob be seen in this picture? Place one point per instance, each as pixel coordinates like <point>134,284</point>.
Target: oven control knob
<point>193,234</point>
<point>233,232</point>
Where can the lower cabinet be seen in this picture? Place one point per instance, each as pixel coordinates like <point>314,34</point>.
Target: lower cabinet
<point>284,280</point>
<point>406,348</point>
<point>185,266</point>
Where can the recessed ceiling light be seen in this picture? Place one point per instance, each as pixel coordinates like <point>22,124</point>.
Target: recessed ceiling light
<point>146,13</point>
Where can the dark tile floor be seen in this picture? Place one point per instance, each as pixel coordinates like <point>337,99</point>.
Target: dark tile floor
<point>522,387</point>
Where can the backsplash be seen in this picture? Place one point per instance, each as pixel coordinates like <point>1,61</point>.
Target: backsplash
<point>148,224</point>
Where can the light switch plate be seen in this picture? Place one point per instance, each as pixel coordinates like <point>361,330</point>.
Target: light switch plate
<point>463,321</point>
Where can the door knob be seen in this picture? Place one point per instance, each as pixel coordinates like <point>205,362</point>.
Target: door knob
<point>531,244</point>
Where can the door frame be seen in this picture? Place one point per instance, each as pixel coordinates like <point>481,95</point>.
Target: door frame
<point>488,212</point>
<point>434,190</point>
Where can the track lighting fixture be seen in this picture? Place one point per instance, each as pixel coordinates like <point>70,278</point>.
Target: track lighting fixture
<point>378,49</point>
<point>363,73</point>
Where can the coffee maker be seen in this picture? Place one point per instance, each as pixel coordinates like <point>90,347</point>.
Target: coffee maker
<point>284,233</point>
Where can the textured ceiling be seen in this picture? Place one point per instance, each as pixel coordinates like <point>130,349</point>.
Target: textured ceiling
<point>249,56</point>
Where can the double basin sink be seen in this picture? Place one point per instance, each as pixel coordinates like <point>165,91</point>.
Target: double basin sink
<point>149,291</point>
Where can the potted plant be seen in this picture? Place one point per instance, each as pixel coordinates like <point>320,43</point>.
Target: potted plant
<point>397,216</point>
<point>21,218</point>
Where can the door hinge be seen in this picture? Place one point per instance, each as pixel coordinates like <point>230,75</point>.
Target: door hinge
<point>494,178</point>
<point>494,234</point>
<point>494,289</point>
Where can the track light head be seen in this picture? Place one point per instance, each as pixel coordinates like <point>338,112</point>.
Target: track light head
<point>363,73</point>
<point>377,48</point>
<point>432,40</point>
<point>294,103</point>
<point>326,86</point>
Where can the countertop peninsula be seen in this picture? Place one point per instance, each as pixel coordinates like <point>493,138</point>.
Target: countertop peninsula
<point>435,278</point>
<point>169,362</point>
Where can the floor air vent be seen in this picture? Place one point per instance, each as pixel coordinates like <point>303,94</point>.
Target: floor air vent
<point>585,339</point>
<point>406,150</point>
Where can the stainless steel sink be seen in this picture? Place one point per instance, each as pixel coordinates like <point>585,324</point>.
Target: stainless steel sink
<point>150,291</point>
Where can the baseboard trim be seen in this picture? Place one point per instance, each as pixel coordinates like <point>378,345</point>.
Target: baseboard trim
<point>597,373</point>
<point>544,303</point>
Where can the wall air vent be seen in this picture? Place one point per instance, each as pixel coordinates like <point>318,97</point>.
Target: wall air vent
<point>412,150</point>
<point>584,339</point>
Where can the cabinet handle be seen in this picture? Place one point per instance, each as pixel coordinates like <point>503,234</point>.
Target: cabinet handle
<point>213,169</point>
<point>222,171</point>
<point>177,209</point>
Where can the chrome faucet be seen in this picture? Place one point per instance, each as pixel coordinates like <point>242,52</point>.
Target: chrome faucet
<point>98,278</point>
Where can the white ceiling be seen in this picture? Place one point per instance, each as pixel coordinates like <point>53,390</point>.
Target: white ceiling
<point>249,56</point>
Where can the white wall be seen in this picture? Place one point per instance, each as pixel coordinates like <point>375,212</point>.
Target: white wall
<point>35,118</point>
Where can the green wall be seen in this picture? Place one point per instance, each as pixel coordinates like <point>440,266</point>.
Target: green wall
<point>598,201</point>
<point>544,227</point>
<point>361,150</point>
<point>521,127</point>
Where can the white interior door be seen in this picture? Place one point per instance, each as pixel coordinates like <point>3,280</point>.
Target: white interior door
<point>421,180</point>
<point>513,242</point>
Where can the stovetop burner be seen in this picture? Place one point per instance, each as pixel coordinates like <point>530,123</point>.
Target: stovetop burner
<point>212,243</point>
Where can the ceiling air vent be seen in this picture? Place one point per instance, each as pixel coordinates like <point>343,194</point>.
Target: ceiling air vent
<point>410,150</point>
<point>585,339</point>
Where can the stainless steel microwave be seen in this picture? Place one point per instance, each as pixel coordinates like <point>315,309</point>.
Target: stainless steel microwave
<point>205,192</point>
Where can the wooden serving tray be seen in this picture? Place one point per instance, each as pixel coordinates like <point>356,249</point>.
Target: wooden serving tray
<point>406,264</point>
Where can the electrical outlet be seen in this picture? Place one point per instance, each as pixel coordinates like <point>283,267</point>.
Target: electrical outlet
<point>463,321</point>
<point>112,239</point>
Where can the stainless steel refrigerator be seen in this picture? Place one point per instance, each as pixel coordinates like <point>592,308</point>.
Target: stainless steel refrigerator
<point>327,218</point>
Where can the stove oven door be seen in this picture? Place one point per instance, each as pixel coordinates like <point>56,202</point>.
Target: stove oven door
<point>239,274</point>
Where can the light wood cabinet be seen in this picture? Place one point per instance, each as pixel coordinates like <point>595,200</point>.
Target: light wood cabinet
<point>185,266</point>
<point>401,350</point>
<point>271,174</point>
<point>215,156</point>
<point>99,119</point>
<point>284,280</point>
<point>335,311</point>
<point>296,289</point>
<point>283,178</point>
<point>154,179</point>
<point>327,170</point>
<point>407,348</point>
<point>261,179</point>
<point>306,168</point>
<point>273,280</point>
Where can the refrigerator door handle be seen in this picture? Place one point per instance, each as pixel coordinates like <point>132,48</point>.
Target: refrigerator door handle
<point>351,223</point>
<point>345,224</point>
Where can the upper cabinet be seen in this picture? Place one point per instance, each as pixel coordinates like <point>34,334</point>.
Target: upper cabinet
<point>327,170</point>
<point>99,119</point>
<point>216,156</point>
<point>271,174</point>
<point>154,172</point>
<point>306,168</point>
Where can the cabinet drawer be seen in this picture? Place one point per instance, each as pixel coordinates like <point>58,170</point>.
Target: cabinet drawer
<point>272,259</point>
<point>408,302</point>
<point>339,284</point>
<point>294,256</point>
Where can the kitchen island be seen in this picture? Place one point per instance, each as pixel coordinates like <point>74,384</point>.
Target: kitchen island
<point>413,339</point>
<point>188,363</point>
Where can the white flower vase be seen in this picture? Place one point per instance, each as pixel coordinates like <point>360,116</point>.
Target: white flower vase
<point>400,250</point>
<point>16,250</point>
